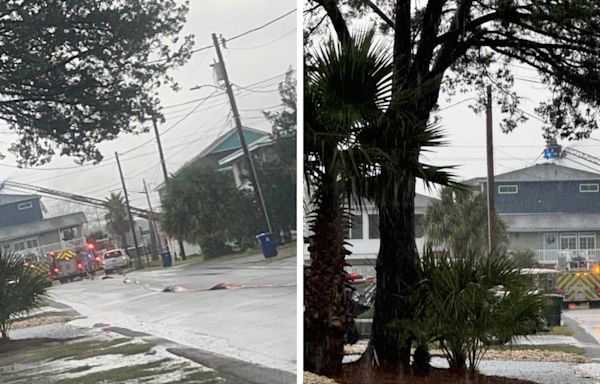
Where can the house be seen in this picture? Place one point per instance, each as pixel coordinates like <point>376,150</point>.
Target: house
<point>362,236</point>
<point>25,230</point>
<point>226,152</point>
<point>551,209</point>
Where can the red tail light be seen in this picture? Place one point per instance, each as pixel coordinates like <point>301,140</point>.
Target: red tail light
<point>80,265</point>
<point>598,289</point>
<point>97,258</point>
<point>560,290</point>
<point>56,270</point>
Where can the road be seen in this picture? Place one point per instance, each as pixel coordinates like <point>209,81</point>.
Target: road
<point>255,322</point>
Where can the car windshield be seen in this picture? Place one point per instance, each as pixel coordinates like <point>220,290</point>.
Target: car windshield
<point>110,255</point>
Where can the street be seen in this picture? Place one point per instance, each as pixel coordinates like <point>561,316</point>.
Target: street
<point>254,322</point>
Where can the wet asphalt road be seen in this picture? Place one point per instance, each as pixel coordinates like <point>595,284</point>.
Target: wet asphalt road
<point>255,323</point>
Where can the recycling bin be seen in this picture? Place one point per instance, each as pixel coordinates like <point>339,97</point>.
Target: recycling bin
<point>167,260</point>
<point>267,244</point>
<point>553,309</point>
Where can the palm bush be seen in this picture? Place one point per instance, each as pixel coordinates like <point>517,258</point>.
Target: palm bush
<point>21,289</point>
<point>469,301</point>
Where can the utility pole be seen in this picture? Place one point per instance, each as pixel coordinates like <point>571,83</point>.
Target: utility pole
<point>160,150</point>
<point>491,188</point>
<point>138,259</point>
<point>153,226</point>
<point>240,130</point>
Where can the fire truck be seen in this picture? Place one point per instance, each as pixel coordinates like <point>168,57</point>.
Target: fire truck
<point>580,283</point>
<point>66,265</point>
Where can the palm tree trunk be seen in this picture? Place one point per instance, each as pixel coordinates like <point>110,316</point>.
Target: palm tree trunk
<point>396,269</point>
<point>327,304</point>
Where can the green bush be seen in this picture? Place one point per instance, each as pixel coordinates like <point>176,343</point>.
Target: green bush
<point>214,245</point>
<point>467,302</point>
<point>21,289</point>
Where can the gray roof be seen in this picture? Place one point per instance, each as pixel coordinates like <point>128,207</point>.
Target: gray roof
<point>551,222</point>
<point>42,226</point>
<point>13,198</point>
<point>542,172</point>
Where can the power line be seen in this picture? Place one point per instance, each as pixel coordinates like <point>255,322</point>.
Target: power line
<point>265,44</point>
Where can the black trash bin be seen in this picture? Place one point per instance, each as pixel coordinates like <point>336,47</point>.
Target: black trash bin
<point>267,245</point>
<point>167,260</point>
<point>553,309</point>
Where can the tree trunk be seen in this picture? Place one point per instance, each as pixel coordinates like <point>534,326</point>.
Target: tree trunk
<point>326,299</point>
<point>181,249</point>
<point>396,270</point>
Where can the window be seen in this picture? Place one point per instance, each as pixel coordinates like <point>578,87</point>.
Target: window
<point>589,188</point>
<point>19,246</point>
<point>587,241</point>
<point>24,206</point>
<point>355,227</point>
<point>374,226</point>
<point>507,189</point>
<point>568,241</point>
<point>31,243</point>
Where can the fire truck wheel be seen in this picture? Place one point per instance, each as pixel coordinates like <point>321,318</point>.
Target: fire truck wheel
<point>62,281</point>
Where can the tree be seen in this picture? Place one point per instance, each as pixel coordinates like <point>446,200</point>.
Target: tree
<point>277,173</point>
<point>21,288</point>
<point>203,205</point>
<point>339,100</point>
<point>117,218</point>
<point>447,46</point>
<point>78,72</point>
<point>459,222</point>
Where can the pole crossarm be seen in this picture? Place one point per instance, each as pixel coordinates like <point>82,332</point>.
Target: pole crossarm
<point>139,212</point>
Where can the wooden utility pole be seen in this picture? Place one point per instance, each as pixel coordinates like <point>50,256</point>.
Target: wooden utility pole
<point>160,150</point>
<point>153,226</point>
<point>240,130</point>
<point>138,259</point>
<point>491,188</point>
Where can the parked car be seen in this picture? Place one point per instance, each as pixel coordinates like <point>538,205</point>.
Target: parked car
<point>115,259</point>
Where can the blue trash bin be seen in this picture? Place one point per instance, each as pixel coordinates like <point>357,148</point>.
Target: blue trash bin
<point>167,260</point>
<point>267,244</point>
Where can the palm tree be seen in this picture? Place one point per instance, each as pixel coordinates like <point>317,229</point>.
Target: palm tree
<point>459,222</point>
<point>344,90</point>
<point>117,218</point>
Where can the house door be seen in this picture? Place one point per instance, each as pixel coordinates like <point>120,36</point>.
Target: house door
<point>550,252</point>
<point>568,245</point>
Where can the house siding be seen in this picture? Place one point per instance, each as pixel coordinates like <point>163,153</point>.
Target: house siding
<point>526,240</point>
<point>548,197</point>
<point>11,215</point>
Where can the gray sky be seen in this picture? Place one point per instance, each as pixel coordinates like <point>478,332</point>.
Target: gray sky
<point>258,56</point>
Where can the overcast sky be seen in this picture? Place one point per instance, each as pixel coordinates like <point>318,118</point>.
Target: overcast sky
<point>261,55</point>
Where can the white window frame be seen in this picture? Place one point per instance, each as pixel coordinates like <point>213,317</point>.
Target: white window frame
<point>596,185</point>
<point>568,236</point>
<point>516,189</point>
<point>586,236</point>
<point>25,205</point>
<point>32,239</point>
<point>14,247</point>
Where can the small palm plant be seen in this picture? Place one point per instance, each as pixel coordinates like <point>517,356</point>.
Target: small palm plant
<point>21,289</point>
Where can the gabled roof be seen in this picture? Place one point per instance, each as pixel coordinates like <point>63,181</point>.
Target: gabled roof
<point>13,198</point>
<point>542,172</point>
<point>264,141</point>
<point>42,226</point>
<point>230,140</point>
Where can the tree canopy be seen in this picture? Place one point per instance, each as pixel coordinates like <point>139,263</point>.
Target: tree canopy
<point>74,73</point>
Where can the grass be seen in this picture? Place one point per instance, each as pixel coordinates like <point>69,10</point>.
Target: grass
<point>39,362</point>
<point>560,331</point>
<point>550,348</point>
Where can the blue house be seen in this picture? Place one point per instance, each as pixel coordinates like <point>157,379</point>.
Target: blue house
<point>551,209</point>
<point>25,230</point>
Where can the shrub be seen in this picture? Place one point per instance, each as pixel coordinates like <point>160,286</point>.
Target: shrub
<point>214,245</point>
<point>21,288</point>
<point>468,301</point>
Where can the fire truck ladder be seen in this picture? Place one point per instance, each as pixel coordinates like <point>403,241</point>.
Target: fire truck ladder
<point>581,155</point>
<point>143,213</point>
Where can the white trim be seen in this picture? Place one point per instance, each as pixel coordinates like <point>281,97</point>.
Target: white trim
<point>25,205</point>
<point>516,189</point>
<point>586,235</point>
<point>597,189</point>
